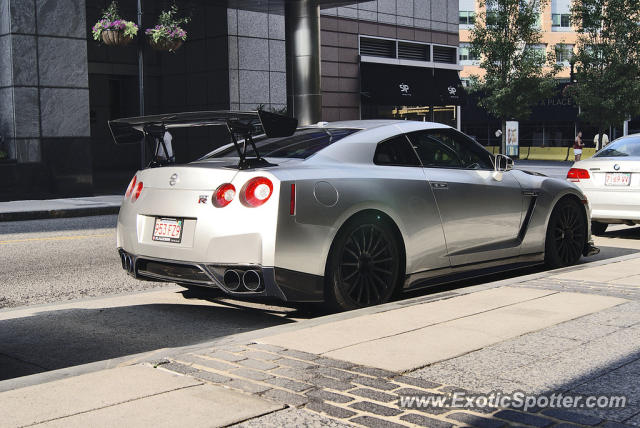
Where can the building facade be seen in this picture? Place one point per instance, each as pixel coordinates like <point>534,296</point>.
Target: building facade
<point>58,87</point>
<point>554,121</point>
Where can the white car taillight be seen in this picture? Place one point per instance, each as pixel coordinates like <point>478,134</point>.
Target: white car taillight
<point>257,191</point>
<point>136,193</point>
<point>223,195</point>
<point>132,184</point>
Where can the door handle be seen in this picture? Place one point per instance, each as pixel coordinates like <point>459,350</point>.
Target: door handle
<point>439,185</point>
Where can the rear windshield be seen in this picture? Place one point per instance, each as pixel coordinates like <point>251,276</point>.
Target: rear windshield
<point>300,145</point>
<point>629,146</point>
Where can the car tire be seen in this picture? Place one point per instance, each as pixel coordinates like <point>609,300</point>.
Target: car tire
<point>363,268</point>
<point>566,234</point>
<point>598,228</point>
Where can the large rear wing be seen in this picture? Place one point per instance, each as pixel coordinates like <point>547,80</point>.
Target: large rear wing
<point>241,126</point>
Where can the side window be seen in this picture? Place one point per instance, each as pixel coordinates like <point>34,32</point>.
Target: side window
<point>446,148</point>
<point>396,151</point>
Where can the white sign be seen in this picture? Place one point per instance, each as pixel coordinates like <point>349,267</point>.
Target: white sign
<point>512,143</point>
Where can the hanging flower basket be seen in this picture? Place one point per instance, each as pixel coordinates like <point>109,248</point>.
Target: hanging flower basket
<point>113,30</point>
<point>168,34</point>
<point>166,45</point>
<point>115,38</point>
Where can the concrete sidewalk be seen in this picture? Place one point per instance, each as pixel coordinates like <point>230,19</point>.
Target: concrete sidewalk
<point>56,208</point>
<point>575,330</point>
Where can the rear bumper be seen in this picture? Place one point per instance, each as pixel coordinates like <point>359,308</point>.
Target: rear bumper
<point>614,205</point>
<point>279,283</point>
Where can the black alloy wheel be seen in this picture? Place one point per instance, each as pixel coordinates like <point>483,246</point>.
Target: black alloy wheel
<point>566,234</point>
<point>364,267</point>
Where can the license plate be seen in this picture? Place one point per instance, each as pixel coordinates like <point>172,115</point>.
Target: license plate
<point>168,229</point>
<point>617,179</point>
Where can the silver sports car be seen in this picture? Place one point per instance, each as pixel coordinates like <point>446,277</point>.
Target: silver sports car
<point>344,212</point>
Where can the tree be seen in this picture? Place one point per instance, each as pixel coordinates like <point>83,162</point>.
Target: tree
<point>607,61</point>
<point>518,74</point>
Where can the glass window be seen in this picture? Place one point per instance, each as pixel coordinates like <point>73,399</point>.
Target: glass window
<point>561,20</point>
<point>467,17</point>
<point>396,152</point>
<point>447,148</point>
<point>300,145</point>
<point>539,50</point>
<point>629,146</point>
<point>465,53</point>
<point>564,52</point>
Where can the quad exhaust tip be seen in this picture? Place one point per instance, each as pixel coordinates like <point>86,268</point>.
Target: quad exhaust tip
<point>127,262</point>
<point>231,279</point>
<point>251,280</point>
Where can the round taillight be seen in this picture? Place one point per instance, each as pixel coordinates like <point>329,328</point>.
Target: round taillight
<point>136,193</point>
<point>257,191</point>
<point>223,195</point>
<point>132,184</point>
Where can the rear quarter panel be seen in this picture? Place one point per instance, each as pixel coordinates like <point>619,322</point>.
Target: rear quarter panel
<point>303,241</point>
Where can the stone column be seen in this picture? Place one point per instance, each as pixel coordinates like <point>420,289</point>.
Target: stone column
<point>44,89</point>
<point>302,33</point>
<point>19,112</point>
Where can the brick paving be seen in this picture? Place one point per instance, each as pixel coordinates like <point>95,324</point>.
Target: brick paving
<point>341,394</point>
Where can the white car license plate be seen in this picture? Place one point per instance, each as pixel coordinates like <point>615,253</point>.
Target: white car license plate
<point>168,229</point>
<point>617,179</point>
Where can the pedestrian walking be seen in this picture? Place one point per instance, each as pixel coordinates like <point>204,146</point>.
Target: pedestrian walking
<point>600,144</point>
<point>577,146</point>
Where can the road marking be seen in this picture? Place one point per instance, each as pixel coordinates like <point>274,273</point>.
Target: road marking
<point>55,238</point>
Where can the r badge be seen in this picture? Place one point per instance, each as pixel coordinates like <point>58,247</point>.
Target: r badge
<point>202,199</point>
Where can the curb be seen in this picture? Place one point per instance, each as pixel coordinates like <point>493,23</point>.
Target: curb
<point>62,213</point>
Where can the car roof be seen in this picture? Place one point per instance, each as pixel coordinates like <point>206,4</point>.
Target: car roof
<point>405,125</point>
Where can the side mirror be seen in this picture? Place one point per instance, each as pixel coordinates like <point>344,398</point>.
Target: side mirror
<point>503,163</point>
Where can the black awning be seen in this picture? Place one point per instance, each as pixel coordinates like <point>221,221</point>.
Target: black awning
<point>387,84</point>
<point>447,87</point>
<point>401,85</point>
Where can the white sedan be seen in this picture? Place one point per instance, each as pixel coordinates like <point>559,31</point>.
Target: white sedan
<point>611,182</point>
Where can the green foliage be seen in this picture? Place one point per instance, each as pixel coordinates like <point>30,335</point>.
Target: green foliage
<point>111,20</point>
<point>607,61</point>
<point>517,74</point>
<point>169,18</point>
<point>111,12</point>
<point>168,29</point>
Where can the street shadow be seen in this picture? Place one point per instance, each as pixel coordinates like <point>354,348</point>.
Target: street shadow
<point>298,310</point>
<point>53,340</point>
<point>605,253</point>
<point>629,232</point>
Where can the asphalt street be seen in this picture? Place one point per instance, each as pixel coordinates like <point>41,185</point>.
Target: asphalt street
<point>65,301</point>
